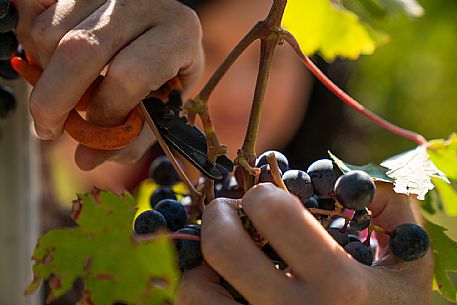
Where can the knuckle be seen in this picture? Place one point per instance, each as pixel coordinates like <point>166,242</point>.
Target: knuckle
<point>129,79</point>
<point>77,46</point>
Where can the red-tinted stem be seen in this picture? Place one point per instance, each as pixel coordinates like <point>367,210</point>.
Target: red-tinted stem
<point>346,98</point>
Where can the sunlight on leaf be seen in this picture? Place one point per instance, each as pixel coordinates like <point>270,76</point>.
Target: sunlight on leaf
<point>334,31</point>
<point>412,171</point>
<point>114,266</point>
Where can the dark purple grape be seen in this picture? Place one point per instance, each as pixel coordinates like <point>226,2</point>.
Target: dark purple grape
<point>312,203</point>
<point>149,222</point>
<point>7,71</point>
<point>409,242</point>
<point>353,238</point>
<point>159,194</point>
<point>7,101</point>
<point>189,251</point>
<point>299,184</point>
<point>193,226</point>
<point>283,163</point>
<point>163,172</point>
<point>361,219</point>
<point>355,190</point>
<point>8,45</point>
<point>359,252</point>
<point>174,212</point>
<point>8,19</point>
<point>341,238</point>
<point>266,175</point>
<point>324,174</point>
<point>326,204</point>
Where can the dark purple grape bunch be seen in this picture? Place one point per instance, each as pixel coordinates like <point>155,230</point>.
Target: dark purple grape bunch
<point>8,48</point>
<point>330,194</point>
<point>168,213</point>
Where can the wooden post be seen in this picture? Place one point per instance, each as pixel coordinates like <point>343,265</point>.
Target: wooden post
<point>19,200</point>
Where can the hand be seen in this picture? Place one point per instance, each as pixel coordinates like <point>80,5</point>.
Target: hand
<point>321,271</point>
<point>141,43</point>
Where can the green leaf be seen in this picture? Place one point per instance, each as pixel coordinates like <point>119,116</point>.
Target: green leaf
<point>376,172</point>
<point>318,25</point>
<point>115,266</point>
<point>444,154</point>
<point>448,196</point>
<point>445,253</point>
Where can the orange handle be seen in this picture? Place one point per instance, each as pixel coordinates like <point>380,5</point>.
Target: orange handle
<point>88,134</point>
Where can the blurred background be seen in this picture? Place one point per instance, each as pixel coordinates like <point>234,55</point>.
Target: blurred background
<point>411,81</point>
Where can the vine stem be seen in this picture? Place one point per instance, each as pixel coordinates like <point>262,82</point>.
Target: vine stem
<point>196,197</point>
<point>346,98</point>
<point>268,45</point>
<point>329,213</point>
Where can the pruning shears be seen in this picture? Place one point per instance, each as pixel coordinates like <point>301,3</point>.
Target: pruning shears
<point>163,108</point>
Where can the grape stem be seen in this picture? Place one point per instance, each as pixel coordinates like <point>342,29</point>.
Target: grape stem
<point>329,213</point>
<point>275,172</point>
<point>346,98</point>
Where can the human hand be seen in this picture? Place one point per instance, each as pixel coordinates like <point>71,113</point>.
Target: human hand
<point>321,271</point>
<point>142,43</point>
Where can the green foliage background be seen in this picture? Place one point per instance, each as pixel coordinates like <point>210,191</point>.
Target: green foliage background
<point>411,81</point>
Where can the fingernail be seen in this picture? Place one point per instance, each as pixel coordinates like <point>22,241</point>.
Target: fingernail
<point>43,132</point>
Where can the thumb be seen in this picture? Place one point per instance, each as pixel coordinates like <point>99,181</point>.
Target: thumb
<point>390,209</point>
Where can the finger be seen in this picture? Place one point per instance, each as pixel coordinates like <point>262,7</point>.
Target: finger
<point>81,55</point>
<point>51,25</point>
<point>390,209</point>
<point>27,12</point>
<point>297,236</point>
<point>200,285</point>
<point>402,282</point>
<point>143,66</point>
<point>229,250</point>
<point>88,159</point>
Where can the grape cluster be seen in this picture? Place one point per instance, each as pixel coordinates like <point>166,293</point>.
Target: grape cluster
<point>168,213</point>
<point>9,47</point>
<point>340,201</point>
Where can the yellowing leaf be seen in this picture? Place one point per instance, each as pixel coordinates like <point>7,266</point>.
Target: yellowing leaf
<point>114,266</point>
<point>333,31</point>
<point>444,154</point>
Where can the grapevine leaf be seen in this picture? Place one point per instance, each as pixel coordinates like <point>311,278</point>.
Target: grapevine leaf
<point>318,25</point>
<point>444,154</point>
<point>412,171</point>
<point>376,172</point>
<point>447,195</point>
<point>445,253</point>
<point>115,266</point>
